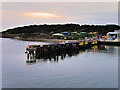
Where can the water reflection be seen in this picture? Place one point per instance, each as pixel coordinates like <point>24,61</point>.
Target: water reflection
<point>61,55</point>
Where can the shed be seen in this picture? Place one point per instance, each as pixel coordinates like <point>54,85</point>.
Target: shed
<point>83,34</point>
<point>113,35</point>
<point>58,34</point>
<point>90,34</point>
<point>65,33</point>
<point>73,34</point>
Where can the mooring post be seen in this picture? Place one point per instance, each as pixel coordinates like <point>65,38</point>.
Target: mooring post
<point>28,56</point>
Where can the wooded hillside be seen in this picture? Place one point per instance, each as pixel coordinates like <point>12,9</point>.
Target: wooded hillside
<point>101,29</point>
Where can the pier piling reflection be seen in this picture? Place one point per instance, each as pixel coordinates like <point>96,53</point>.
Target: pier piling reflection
<point>60,52</point>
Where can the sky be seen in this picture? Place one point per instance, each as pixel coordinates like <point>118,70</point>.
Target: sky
<point>15,14</point>
<point>60,0</point>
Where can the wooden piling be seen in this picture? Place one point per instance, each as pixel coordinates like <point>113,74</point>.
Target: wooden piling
<point>54,51</point>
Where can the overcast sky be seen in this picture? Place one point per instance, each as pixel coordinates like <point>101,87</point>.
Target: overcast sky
<point>16,14</point>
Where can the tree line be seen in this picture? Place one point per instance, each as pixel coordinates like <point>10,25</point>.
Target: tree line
<point>47,29</point>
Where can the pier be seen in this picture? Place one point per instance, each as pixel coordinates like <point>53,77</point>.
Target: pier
<point>112,43</point>
<point>53,51</point>
<point>60,50</point>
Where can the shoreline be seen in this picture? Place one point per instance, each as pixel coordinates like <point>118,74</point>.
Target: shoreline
<point>37,39</point>
<point>48,40</point>
<point>55,41</point>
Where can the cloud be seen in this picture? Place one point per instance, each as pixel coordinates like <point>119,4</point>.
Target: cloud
<point>24,13</point>
<point>42,15</point>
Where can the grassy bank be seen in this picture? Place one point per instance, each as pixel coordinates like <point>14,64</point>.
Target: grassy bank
<point>8,35</point>
<point>47,40</point>
<point>38,39</point>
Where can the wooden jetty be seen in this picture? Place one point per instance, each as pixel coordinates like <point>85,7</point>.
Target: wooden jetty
<point>53,51</point>
<point>50,51</point>
<point>113,43</point>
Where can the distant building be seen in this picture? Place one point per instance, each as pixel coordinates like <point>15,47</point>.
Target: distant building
<point>113,35</point>
<point>83,34</point>
<point>65,33</point>
<point>58,35</point>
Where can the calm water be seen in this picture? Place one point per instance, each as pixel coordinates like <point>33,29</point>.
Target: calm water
<point>95,68</point>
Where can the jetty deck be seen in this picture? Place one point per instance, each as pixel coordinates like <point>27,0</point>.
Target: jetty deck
<point>113,43</point>
<point>49,51</point>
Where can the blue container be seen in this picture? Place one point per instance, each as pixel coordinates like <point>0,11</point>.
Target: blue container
<point>65,33</point>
